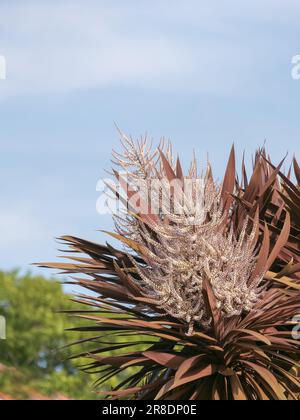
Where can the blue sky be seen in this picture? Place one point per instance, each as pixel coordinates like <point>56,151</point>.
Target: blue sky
<point>204,73</point>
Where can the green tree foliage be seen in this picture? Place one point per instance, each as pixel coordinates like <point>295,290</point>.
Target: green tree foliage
<point>35,332</point>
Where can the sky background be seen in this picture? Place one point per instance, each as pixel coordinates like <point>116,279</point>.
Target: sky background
<point>203,73</point>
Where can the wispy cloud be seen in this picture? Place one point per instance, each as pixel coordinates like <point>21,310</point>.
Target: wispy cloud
<point>163,45</point>
<point>73,47</point>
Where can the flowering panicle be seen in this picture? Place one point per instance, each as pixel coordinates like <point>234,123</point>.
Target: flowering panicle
<point>187,242</point>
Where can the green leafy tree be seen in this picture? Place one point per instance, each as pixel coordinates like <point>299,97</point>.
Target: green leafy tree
<point>36,330</point>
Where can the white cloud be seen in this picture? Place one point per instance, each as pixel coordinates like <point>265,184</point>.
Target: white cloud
<point>50,48</point>
<point>66,45</point>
